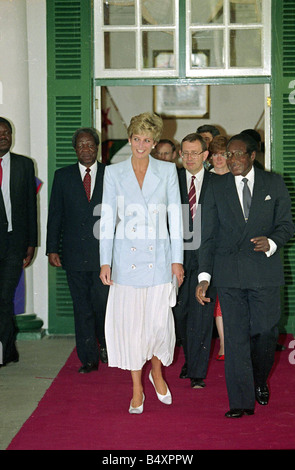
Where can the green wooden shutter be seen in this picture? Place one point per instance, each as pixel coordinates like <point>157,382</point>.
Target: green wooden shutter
<point>283,130</point>
<point>69,65</point>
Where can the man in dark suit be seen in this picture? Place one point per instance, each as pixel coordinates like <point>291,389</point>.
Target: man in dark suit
<point>18,232</point>
<point>194,322</point>
<point>71,219</point>
<point>241,238</point>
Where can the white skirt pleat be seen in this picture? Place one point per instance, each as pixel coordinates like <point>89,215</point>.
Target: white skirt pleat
<point>139,324</point>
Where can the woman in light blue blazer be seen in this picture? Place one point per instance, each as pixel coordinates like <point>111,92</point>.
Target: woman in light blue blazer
<point>141,250</point>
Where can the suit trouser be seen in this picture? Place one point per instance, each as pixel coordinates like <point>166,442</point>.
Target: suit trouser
<point>10,272</point>
<point>250,319</point>
<point>89,297</point>
<point>194,325</point>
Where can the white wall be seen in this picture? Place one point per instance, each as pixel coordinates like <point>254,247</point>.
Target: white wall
<point>231,108</point>
<point>24,103</point>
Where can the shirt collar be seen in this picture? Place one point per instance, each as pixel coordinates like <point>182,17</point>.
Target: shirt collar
<point>83,167</point>
<point>199,175</point>
<point>249,176</point>
<point>6,157</point>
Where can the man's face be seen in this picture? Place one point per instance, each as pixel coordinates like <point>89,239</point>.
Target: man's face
<point>240,162</point>
<point>207,136</point>
<point>86,149</point>
<point>5,138</point>
<point>193,156</point>
<point>164,152</point>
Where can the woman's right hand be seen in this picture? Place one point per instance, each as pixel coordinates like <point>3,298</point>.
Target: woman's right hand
<point>105,275</point>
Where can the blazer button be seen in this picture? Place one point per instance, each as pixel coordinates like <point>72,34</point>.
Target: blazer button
<point>133,266</point>
<point>151,266</point>
<point>133,248</point>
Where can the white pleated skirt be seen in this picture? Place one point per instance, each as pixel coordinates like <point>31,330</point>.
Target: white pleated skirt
<point>139,324</point>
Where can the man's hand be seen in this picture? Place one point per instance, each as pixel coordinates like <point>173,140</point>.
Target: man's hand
<point>201,290</point>
<point>54,260</point>
<point>30,254</point>
<point>260,244</point>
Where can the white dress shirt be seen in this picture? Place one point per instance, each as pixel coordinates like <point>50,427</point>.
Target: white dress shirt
<point>198,182</point>
<point>6,188</point>
<point>93,171</point>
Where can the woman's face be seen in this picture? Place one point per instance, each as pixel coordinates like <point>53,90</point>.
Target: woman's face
<point>219,161</point>
<point>141,145</point>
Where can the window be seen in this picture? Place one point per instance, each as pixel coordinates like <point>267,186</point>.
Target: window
<point>227,37</point>
<point>146,38</point>
<point>131,37</point>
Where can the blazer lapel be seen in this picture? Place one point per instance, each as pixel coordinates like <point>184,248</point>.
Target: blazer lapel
<point>151,179</point>
<point>78,184</point>
<point>130,183</point>
<point>259,192</point>
<point>232,196</point>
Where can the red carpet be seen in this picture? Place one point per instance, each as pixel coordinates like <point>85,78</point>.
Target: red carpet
<point>90,412</point>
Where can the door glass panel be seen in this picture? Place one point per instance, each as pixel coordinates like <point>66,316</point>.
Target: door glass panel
<point>245,11</point>
<point>119,12</point>
<point>113,45</point>
<point>157,12</point>
<point>157,49</point>
<point>207,12</point>
<point>238,39</point>
<point>210,43</point>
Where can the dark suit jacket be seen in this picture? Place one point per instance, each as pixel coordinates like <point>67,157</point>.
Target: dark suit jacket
<point>23,207</point>
<point>71,219</point>
<point>191,256</point>
<point>226,250</point>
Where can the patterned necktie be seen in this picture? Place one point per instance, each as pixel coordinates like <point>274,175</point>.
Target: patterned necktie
<point>192,197</point>
<point>87,183</point>
<point>1,172</point>
<point>246,198</point>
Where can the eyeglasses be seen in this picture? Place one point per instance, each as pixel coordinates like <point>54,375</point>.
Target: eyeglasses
<point>220,155</point>
<point>238,154</point>
<point>193,155</point>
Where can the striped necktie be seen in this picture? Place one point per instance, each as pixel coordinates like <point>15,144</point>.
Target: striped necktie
<point>87,183</point>
<point>192,197</point>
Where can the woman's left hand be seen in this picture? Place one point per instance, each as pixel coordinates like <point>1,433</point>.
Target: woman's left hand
<point>178,270</point>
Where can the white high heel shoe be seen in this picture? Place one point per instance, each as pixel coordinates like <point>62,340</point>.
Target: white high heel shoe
<point>139,409</point>
<point>166,399</point>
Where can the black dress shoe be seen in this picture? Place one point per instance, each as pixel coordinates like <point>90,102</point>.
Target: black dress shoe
<point>262,394</point>
<point>197,383</point>
<point>183,373</point>
<point>238,413</point>
<point>103,355</point>
<point>89,367</point>
<point>13,358</point>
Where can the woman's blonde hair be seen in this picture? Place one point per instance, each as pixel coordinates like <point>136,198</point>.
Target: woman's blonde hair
<point>146,123</point>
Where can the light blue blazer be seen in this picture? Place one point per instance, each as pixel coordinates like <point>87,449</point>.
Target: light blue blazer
<point>141,228</point>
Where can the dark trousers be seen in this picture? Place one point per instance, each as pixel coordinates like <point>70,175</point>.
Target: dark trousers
<point>250,319</point>
<point>10,272</point>
<point>89,297</point>
<point>194,326</point>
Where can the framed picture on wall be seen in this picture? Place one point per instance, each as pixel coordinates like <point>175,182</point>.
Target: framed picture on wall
<point>180,101</point>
